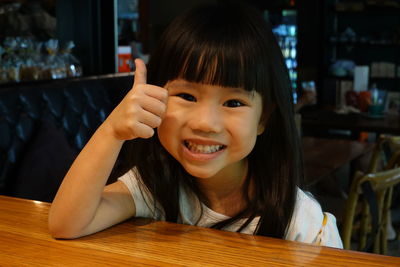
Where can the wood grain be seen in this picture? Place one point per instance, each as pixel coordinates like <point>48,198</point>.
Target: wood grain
<point>24,241</point>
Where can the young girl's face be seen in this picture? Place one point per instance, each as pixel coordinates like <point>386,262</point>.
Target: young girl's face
<point>210,129</point>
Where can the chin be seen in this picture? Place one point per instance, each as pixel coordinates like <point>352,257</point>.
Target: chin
<point>201,173</point>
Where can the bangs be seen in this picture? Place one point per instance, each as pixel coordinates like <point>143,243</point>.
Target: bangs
<point>217,64</point>
<point>226,49</point>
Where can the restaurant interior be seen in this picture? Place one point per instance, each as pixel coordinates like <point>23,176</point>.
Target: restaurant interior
<point>64,66</point>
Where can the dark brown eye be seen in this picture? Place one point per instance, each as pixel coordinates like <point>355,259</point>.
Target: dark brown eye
<point>187,97</point>
<point>233,103</point>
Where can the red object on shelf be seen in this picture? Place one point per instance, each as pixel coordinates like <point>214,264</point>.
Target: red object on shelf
<point>125,61</point>
<point>364,100</point>
<point>353,99</point>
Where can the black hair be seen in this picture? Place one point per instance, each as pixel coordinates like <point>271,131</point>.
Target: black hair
<point>229,45</point>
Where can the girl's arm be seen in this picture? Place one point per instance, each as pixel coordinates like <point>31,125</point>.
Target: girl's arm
<point>83,204</point>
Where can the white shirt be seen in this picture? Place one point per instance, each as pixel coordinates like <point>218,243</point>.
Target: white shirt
<point>309,223</point>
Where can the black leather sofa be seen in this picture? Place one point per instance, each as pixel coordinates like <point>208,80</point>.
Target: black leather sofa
<point>44,125</point>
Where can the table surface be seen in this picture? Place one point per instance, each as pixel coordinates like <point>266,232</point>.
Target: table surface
<point>325,119</point>
<point>323,157</point>
<point>25,241</point>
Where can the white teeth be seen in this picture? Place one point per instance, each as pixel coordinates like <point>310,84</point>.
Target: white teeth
<point>207,149</point>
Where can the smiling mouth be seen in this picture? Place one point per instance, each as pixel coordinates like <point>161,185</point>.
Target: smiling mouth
<point>204,149</point>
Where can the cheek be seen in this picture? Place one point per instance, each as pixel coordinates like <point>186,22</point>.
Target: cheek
<point>244,135</point>
<point>246,125</point>
<point>248,135</point>
<point>168,128</point>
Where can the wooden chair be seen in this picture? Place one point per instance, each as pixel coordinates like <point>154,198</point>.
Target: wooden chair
<point>370,196</point>
<point>383,152</point>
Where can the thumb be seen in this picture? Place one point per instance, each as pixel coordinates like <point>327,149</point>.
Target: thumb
<point>140,72</point>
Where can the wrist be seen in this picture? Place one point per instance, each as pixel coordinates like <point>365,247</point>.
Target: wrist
<point>107,132</point>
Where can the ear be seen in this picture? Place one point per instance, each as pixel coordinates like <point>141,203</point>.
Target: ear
<point>264,119</point>
<point>261,126</point>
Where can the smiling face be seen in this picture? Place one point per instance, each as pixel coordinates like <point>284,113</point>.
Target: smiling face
<point>210,129</point>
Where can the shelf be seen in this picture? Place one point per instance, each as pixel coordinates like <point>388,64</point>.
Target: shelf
<point>350,78</point>
<point>38,83</point>
<point>370,10</point>
<point>359,43</point>
<point>365,36</point>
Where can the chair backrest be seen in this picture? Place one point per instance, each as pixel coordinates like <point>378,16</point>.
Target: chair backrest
<point>394,161</point>
<point>383,152</point>
<point>43,125</point>
<point>382,186</point>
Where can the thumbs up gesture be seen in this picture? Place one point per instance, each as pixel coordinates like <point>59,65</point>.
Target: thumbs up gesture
<point>141,110</point>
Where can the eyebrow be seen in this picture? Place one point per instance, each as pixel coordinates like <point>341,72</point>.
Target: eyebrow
<point>192,86</point>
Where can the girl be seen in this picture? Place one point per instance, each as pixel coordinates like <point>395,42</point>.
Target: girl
<point>215,142</point>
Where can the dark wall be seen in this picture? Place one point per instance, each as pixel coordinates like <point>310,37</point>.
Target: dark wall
<point>162,12</point>
<point>90,23</point>
<point>310,34</point>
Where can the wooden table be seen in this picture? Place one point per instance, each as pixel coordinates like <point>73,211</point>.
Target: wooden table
<point>323,157</point>
<point>24,241</point>
<point>329,120</point>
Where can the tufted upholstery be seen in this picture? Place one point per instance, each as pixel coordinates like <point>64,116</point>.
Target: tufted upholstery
<point>77,107</point>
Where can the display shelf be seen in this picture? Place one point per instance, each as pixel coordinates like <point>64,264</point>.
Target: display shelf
<point>348,78</point>
<point>367,36</point>
<point>369,10</point>
<point>367,43</point>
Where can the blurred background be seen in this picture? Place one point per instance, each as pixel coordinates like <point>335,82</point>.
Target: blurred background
<point>322,41</point>
<point>64,65</point>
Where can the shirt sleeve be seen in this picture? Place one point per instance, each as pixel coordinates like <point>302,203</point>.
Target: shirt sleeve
<point>329,235</point>
<point>144,201</point>
<point>311,225</point>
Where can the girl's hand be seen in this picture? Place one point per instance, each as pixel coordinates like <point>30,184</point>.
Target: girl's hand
<point>141,110</point>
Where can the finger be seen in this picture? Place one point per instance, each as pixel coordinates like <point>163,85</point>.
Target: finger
<point>143,131</point>
<point>157,92</point>
<point>140,72</point>
<point>154,106</point>
<point>149,119</point>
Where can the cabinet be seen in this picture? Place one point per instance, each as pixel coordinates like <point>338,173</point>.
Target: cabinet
<point>27,28</point>
<point>282,15</point>
<point>284,26</point>
<point>361,33</point>
<point>306,16</point>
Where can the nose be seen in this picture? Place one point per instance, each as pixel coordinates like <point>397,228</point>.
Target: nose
<point>206,118</point>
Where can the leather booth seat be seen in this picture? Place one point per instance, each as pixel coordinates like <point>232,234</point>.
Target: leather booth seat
<point>44,125</point>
